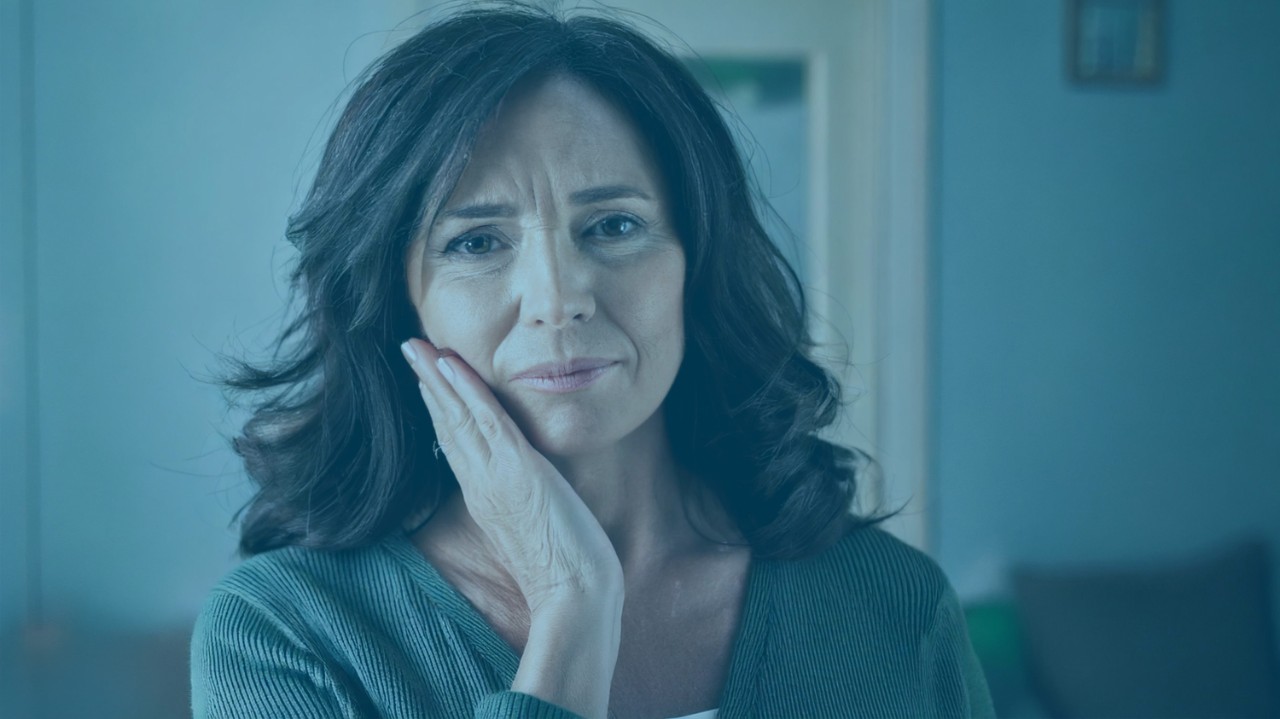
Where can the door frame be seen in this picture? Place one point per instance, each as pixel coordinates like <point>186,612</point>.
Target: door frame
<point>903,313</point>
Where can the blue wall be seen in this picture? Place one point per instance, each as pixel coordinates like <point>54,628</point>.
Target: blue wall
<point>12,320</point>
<point>171,140</point>
<point>1108,291</point>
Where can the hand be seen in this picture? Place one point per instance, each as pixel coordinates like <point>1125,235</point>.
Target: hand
<point>546,537</point>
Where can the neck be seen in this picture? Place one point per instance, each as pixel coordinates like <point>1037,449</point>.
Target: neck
<point>633,489</point>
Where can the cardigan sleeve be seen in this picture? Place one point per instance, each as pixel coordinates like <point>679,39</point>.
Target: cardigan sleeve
<point>510,705</point>
<point>247,662</point>
<point>956,684</point>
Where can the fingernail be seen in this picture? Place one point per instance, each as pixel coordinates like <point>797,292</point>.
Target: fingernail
<point>446,370</point>
<point>409,352</point>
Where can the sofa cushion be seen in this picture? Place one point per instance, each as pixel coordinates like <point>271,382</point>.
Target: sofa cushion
<point>1188,640</point>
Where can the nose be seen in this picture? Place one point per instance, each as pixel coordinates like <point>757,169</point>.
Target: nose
<point>555,282</point>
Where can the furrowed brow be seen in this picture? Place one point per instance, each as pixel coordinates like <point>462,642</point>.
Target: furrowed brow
<point>479,212</point>
<point>607,192</point>
<point>588,196</point>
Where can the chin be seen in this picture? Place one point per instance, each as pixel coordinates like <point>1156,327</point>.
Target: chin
<point>568,439</point>
<point>587,426</point>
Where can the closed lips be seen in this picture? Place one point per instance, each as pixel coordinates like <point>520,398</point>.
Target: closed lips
<point>552,370</point>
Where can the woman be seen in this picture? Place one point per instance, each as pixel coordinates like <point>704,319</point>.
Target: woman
<point>593,484</point>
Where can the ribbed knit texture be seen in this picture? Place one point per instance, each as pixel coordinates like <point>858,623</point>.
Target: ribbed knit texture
<point>869,628</point>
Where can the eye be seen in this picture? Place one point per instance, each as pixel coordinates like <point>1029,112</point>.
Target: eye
<point>615,226</point>
<point>472,244</point>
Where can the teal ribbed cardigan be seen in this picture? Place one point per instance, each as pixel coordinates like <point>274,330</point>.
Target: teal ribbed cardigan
<point>868,628</point>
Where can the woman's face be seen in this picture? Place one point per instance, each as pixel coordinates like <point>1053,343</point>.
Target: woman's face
<point>556,246</point>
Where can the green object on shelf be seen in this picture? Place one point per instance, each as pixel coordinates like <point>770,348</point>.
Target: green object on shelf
<point>996,634</point>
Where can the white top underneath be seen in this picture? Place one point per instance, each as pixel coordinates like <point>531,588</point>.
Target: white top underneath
<point>708,714</point>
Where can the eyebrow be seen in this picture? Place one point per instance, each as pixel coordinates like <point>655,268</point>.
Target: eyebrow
<point>581,197</point>
<point>607,192</point>
<point>478,212</point>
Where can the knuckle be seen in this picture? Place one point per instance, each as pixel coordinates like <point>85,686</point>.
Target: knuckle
<point>454,416</point>
<point>447,441</point>
<point>487,424</point>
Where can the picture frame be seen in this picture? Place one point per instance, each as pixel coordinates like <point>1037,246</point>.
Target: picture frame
<point>1115,41</point>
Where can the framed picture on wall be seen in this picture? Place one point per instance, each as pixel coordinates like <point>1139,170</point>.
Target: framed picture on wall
<point>1115,41</point>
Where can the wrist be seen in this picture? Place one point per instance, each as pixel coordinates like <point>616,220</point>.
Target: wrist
<point>601,600</point>
<point>578,609</point>
<point>571,653</point>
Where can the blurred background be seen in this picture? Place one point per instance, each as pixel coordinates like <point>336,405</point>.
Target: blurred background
<point>1048,230</point>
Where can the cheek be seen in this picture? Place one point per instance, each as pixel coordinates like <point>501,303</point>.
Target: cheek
<point>655,305</point>
<point>461,320</point>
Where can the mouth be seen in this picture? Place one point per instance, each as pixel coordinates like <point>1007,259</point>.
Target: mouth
<point>561,369</point>
<point>558,380</point>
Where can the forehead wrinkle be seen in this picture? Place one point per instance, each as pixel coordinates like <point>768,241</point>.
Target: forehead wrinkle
<point>536,193</point>
<point>479,186</point>
<point>516,159</point>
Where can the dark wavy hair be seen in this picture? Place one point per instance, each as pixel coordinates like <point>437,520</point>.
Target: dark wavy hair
<point>339,441</point>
